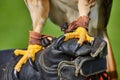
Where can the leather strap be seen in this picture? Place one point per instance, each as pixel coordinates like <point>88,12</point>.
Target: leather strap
<point>37,38</point>
<point>34,38</point>
<point>82,21</point>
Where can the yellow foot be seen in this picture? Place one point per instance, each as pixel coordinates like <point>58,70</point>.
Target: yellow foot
<point>29,53</point>
<point>80,33</point>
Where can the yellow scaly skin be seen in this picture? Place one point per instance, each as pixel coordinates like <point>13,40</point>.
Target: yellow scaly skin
<point>80,33</point>
<point>29,53</point>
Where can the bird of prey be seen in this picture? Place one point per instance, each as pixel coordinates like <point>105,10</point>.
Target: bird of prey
<point>85,18</point>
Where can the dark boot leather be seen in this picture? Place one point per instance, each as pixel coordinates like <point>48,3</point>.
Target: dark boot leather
<point>47,63</point>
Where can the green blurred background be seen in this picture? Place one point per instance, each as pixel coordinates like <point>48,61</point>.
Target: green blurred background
<point>15,24</point>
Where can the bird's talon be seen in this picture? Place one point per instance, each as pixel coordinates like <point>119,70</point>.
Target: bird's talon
<point>32,63</point>
<point>92,39</point>
<point>81,34</point>
<point>15,73</point>
<point>92,42</point>
<point>59,41</point>
<point>76,47</point>
<point>30,52</point>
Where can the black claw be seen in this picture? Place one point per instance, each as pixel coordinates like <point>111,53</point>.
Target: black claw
<point>59,41</point>
<point>15,73</point>
<point>30,61</point>
<point>76,47</point>
<point>92,43</point>
<point>32,64</point>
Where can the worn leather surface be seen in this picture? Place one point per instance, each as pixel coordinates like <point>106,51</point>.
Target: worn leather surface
<point>47,61</point>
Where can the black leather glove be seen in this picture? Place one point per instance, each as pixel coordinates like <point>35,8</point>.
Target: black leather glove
<point>46,64</point>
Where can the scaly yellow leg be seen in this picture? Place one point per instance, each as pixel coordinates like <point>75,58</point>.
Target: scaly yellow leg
<point>80,33</point>
<point>29,53</point>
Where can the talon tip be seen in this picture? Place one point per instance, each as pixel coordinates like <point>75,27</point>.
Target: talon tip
<point>59,41</point>
<point>16,74</point>
<point>32,64</point>
<point>30,61</point>
<point>92,42</point>
<point>76,47</point>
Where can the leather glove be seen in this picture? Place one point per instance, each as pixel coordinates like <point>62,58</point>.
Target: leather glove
<point>47,61</point>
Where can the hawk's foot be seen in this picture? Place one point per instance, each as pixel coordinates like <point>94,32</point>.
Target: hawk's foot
<point>81,34</point>
<point>29,53</point>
